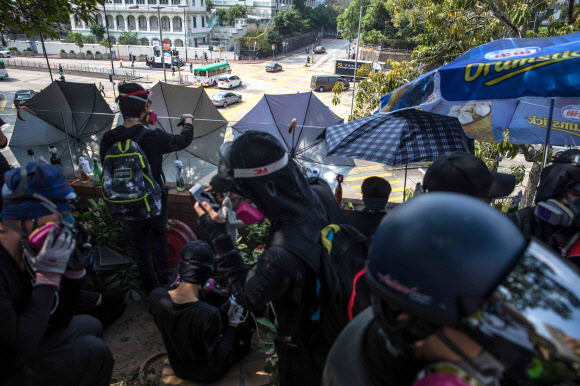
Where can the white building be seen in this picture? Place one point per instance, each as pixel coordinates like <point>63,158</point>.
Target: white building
<point>179,18</point>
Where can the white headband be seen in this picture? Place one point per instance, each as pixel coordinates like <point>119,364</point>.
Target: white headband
<point>262,170</point>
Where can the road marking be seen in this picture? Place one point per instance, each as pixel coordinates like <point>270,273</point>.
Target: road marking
<point>262,94</point>
<point>422,171</point>
<point>366,168</point>
<point>390,182</point>
<point>364,177</point>
<point>3,104</point>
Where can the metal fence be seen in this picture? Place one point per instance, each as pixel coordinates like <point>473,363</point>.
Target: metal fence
<point>97,72</point>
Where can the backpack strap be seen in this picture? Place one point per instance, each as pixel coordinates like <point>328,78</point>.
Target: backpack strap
<point>137,137</point>
<point>300,245</point>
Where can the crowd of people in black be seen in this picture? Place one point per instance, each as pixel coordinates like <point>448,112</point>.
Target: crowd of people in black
<point>442,290</point>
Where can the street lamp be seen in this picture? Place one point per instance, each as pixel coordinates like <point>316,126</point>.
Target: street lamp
<point>185,29</point>
<point>109,41</point>
<point>356,57</point>
<point>161,40</point>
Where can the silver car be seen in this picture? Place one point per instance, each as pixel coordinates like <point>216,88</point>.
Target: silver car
<point>225,98</point>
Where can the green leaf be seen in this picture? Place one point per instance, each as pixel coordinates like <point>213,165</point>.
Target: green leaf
<point>267,323</point>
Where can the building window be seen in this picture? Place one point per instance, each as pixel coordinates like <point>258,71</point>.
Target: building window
<point>163,1</point>
<point>201,3</point>
<point>151,1</point>
<point>118,1</point>
<point>195,22</point>
<point>140,1</point>
<point>175,2</point>
<point>128,1</point>
<point>202,22</point>
<point>193,2</point>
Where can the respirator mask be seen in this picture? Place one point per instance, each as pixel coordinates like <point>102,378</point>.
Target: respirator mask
<point>559,214</point>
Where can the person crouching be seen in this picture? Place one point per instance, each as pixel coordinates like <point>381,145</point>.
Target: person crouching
<point>201,344</point>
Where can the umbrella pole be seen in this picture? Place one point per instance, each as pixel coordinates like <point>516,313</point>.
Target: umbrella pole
<point>405,183</point>
<point>546,144</point>
<point>70,154</point>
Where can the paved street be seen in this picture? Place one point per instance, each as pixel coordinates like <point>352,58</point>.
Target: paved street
<point>295,77</point>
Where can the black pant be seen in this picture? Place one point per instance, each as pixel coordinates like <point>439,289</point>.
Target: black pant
<point>302,365</point>
<point>149,233</point>
<point>76,355</point>
<point>102,92</point>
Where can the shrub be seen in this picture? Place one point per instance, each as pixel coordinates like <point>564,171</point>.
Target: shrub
<point>97,52</point>
<point>62,51</point>
<point>13,49</point>
<point>142,55</point>
<point>28,48</point>
<point>72,51</point>
<point>89,52</point>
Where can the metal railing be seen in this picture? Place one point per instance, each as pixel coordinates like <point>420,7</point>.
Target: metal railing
<point>76,70</point>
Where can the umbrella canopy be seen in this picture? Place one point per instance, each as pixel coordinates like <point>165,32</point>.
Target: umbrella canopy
<point>505,84</point>
<point>201,156</point>
<point>274,113</point>
<point>70,116</point>
<point>398,138</point>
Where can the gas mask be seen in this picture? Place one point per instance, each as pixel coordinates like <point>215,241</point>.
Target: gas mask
<point>33,242</point>
<point>559,214</point>
<point>462,373</point>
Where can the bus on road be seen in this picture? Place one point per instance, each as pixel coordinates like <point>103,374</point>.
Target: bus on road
<point>3,70</point>
<point>209,74</point>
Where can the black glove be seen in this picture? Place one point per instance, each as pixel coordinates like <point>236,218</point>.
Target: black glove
<point>82,253</point>
<point>212,228</point>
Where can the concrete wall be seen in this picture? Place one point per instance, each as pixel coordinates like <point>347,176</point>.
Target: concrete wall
<point>53,48</point>
<point>384,55</point>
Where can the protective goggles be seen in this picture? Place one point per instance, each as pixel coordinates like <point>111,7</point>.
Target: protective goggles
<point>531,323</point>
<point>225,168</point>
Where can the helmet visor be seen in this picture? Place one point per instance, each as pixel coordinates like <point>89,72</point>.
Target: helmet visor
<point>532,321</point>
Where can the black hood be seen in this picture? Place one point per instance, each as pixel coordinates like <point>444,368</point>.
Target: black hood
<point>283,196</point>
<point>556,179</point>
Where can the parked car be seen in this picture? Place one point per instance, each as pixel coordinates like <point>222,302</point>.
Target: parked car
<point>225,98</point>
<point>319,50</point>
<point>327,82</point>
<point>273,67</point>
<point>229,81</point>
<point>534,149</point>
<point>22,96</point>
<point>4,54</point>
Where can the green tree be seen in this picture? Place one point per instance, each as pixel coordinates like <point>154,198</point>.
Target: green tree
<point>236,12</point>
<point>208,5</point>
<point>105,44</point>
<point>98,31</point>
<point>348,21</point>
<point>290,22</point>
<point>222,15</point>
<point>78,40</point>
<point>128,38</point>
<point>32,17</point>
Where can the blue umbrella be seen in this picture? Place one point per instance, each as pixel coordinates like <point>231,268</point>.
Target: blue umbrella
<point>529,86</point>
<point>398,138</point>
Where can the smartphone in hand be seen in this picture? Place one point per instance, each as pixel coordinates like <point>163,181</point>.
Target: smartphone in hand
<point>199,193</point>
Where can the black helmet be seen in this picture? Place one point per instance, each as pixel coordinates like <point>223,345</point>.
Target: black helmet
<point>559,176</point>
<point>447,259</point>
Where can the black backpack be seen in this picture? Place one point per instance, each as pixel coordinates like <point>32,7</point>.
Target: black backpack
<point>130,191</point>
<point>335,271</point>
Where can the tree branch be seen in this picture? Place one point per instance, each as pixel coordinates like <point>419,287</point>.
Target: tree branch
<point>498,13</point>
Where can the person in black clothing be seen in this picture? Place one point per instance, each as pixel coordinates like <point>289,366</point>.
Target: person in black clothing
<point>556,217</point>
<point>200,344</point>
<point>458,299</point>
<point>375,194</point>
<point>257,167</point>
<point>40,287</point>
<point>154,144</point>
<point>464,173</point>
<point>4,166</point>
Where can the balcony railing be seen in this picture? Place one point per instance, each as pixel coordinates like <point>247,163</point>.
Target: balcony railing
<point>177,29</point>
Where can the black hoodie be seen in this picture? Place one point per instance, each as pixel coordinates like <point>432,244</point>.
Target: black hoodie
<point>154,144</point>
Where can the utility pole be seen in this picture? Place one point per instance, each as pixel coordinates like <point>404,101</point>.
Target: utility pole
<point>46,57</point>
<point>109,40</point>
